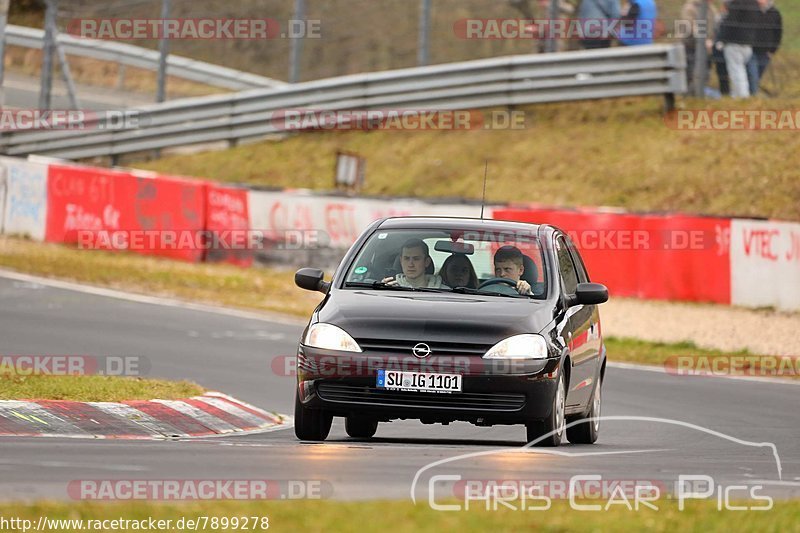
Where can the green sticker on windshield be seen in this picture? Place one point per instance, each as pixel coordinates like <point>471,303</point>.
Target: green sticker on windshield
<point>361,270</point>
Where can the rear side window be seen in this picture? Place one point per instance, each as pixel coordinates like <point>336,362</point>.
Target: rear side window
<point>566,267</point>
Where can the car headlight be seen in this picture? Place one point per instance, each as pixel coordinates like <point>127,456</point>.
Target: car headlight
<point>519,347</point>
<point>330,337</point>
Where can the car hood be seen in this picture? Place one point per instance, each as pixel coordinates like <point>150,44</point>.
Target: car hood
<point>429,317</point>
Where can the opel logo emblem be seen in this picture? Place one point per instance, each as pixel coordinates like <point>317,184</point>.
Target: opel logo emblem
<point>421,350</point>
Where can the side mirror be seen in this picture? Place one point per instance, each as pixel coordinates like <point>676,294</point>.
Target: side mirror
<point>590,294</point>
<point>310,279</point>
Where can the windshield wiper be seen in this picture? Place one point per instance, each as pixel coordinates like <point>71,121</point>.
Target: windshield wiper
<point>370,285</point>
<point>468,290</point>
<point>382,285</point>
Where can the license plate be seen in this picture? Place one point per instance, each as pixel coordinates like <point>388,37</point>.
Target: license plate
<point>418,381</point>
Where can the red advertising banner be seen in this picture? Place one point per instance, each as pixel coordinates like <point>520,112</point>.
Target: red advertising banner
<point>672,257</point>
<point>98,208</point>
<point>227,223</point>
<point>84,198</point>
<point>172,207</point>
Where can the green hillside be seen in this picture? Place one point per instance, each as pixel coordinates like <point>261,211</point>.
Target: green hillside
<point>616,153</point>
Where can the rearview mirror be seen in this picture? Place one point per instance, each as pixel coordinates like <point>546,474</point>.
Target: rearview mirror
<point>590,294</point>
<point>454,247</point>
<point>310,279</point>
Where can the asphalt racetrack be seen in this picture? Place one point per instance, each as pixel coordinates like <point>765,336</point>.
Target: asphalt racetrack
<point>233,354</point>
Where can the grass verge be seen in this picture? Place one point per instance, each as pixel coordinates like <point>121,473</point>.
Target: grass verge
<point>686,357</point>
<point>626,350</point>
<point>92,388</point>
<point>307,515</point>
<point>253,288</point>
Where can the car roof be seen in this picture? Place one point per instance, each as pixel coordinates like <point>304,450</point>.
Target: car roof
<point>446,223</point>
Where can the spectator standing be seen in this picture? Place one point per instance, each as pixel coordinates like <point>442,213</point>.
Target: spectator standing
<point>689,14</point>
<point>718,58</point>
<point>598,10</point>
<point>769,34</point>
<point>737,35</point>
<point>639,23</point>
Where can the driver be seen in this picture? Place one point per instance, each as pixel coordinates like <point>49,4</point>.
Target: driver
<point>414,260</point>
<point>508,264</point>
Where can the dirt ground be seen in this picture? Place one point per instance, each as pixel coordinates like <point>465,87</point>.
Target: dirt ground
<point>761,332</point>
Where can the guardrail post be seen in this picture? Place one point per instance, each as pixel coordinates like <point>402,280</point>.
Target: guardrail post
<point>700,73</point>
<point>669,103</point>
<point>424,32</point>
<point>3,22</point>
<point>66,73</point>
<point>121,77</point>
<point>46,88</point>
<point>296,51</point>
<point>553,14</point>
<point>163,49</point>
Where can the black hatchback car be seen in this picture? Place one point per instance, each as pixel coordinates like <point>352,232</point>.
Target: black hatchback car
<point>454,319</point>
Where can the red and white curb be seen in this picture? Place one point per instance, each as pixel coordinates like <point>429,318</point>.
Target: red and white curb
<point>200,416</point>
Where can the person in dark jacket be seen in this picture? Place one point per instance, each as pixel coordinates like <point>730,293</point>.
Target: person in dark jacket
<point>737,35</point>
<point>718,58</point>
<point>768,39</point>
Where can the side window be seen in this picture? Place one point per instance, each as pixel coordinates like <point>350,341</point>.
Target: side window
<point>583,276</point>
<point>566,267</point>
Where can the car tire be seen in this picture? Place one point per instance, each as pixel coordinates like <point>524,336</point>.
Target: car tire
<point>553,425</point>
<point>311,424</point>
<point>586,432</point>
<point>360,427</point>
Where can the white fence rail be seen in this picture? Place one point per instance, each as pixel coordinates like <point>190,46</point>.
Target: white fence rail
<point>136,56</point>
<point>496,82</point>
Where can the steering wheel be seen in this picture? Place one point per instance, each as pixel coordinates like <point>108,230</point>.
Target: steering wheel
<point>499,281</point>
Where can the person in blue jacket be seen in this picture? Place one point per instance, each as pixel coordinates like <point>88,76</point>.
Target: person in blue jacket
<point>639,24</point>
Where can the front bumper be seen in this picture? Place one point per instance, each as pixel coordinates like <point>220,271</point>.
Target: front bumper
<point>493,392</point>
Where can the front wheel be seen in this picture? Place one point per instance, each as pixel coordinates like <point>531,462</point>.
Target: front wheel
<point>586,431</point>
<point>553,425</point>
<point>310,424</point>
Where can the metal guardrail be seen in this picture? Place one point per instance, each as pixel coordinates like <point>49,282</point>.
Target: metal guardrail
<point>136,56</point>
<point>505,81</point>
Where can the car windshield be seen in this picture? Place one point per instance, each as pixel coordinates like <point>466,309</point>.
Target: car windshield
<point>503,264</point>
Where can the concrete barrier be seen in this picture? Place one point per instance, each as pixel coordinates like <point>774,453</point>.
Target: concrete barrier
<point>765,264</point>
<point>25,190</point>
<point>752,263</point>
